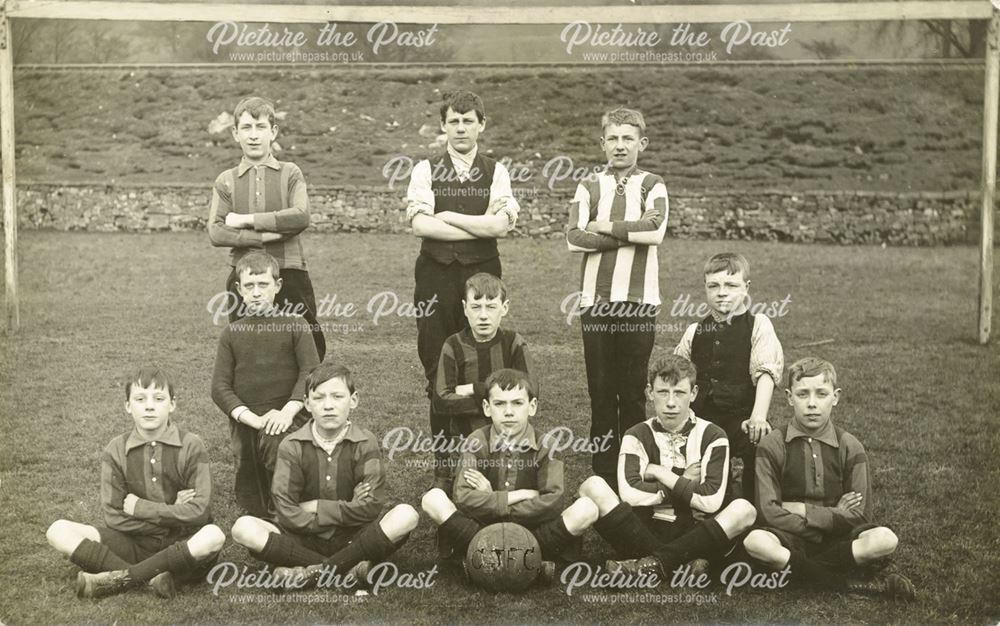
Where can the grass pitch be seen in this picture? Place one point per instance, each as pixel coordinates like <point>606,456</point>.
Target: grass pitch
<point>918,392</point>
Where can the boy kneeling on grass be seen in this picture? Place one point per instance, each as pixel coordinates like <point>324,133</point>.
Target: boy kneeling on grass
<point>155,495</point>
<point>814,496</point>
<point>329,491</point>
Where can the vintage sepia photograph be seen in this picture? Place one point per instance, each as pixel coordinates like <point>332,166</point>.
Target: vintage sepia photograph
<point>499,312</point>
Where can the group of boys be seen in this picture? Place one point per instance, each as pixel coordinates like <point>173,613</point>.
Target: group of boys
<point>312,482</point>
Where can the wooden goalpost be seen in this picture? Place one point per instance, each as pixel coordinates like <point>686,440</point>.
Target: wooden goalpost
<point>626,14</point>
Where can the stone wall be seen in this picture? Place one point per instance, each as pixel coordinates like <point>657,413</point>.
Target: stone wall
<point>846,217</point>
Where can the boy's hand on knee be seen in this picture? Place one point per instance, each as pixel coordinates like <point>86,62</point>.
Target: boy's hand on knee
<point>756,428</point>
<point>276,422</point>
<point>850,501</point>
<point>184,496</point>
<point>129,504</point>
<point>464,390</point>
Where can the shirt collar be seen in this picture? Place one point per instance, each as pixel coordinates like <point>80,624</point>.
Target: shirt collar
<point>245,165</point>
<point>685,429</point>
<point>729,317</point>
<point>527,438</point>
<point>462,162</point>
<point>170,437</point>
<point>828,435</point>
<point>328,443</point>
<point>354,433</point>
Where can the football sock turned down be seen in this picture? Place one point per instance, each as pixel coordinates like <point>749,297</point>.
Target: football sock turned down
<point>93,556</point>
<point>706,540</point>
<point>287,552</point>
<point>371,544</point>
<point>175,559</point>
<point>626,533</point>
<point>458,530</point>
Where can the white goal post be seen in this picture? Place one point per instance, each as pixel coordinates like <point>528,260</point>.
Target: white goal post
<point>631,13</point>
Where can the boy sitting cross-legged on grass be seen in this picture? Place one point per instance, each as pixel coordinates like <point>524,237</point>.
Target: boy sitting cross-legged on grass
<point>739,361</point>
<point>673,469</point>
<point>814,495</point>
<point>329,488</point>
<point>156,496</point>
<point>260,372</point>
<point>468,357</point>
<point>507,474</point>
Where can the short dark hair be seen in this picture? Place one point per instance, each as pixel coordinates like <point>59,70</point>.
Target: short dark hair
<point>507,379</point>
<point>622,115</point>
<point>483,285</point>
<point>462,101</point>
<point>150,375</point>
<point>672,369</point>
<point>731,262</point>
<point>328,371</point>
<point>257,107</point>
<point>257,262</point>
<point>810,366</point>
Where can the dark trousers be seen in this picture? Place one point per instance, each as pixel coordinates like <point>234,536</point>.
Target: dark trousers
<point>444,284</point>
<point>741,450</point>
<point>296,288</point>
<point>256,454</point>
<point>616,349</point>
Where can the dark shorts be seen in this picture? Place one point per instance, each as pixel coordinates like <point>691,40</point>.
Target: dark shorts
<point>812,548</point>
<point>326,547</point>
<point>134,548</point>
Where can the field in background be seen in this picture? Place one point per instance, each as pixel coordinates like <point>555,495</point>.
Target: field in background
<point>918,391</point>
<point>848,128</point>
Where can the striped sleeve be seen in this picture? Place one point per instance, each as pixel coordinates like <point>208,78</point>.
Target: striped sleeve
<point>766,356</point>
<point>219,233</point>
<point>549,502</point>
<point>294,218</point>
<point>704,487</point>
<point>632,462</point>
<point>446,401</point>
<point>194,469</point>
<point>650,228</point>
<point>114,489</point>
<point>578,238</point>
<point>368,465</point>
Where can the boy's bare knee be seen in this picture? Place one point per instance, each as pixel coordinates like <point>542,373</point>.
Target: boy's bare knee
<point>58,534</point>
<point>434,500</point>
<point>406,517</point>
<point>883,541</point>
<point>213,537</point>
<point>595,486</point>
<point>759,544</point>
<point>245,529</point>
<point>744,512</point>
<point>586,511</point>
